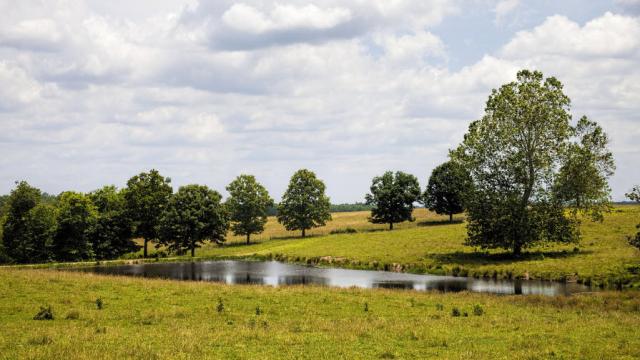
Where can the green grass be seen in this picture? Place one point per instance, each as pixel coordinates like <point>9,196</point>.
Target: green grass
<point>157,319</point>
<point>603,256</point>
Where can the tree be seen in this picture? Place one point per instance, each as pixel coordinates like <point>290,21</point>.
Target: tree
<point>634,195</point>
<point>448,184</point>
<point>194,214</point>
<point>77,217</point>
<point>248,205</point>
<point>392,197</point>
<point>519,155</point>
<point>588,163</point>
<point>304,204</point>
<point>113,231</point>
<point>15,234</point>
<point>41,226</point>
<point>147,195</point>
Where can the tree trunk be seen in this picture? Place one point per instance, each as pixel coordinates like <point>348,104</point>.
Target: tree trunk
<point>450,217</point>
<point>193,250</point>
<point>145,248</point>
<point>248,238</point>
<point>390,226</point>
<point>517,250</point>
<point>303,233</point>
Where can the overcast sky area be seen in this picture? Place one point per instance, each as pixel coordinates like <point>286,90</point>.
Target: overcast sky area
<point>93,92</point>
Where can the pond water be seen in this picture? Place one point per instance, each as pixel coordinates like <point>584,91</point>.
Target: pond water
<point>275,273</point>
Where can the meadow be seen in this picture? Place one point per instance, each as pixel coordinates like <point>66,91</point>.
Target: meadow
<point>158,319</point>
<point>432,245</point>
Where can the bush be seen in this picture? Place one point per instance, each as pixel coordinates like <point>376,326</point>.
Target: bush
<point>455,312</point>
<point>99,303</point>
<point>220,307</point>
<point>45,313</point>
<point>478,310</point>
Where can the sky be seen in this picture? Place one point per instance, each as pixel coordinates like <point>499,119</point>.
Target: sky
<point>93,92</point>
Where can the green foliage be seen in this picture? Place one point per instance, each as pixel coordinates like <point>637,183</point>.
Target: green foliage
<point>304,204</point>
<point>147,195</point>
<point>358,206</point>
<point>194,214</point>
<point>16,235</point>
<point>99,303</point>
<point>514,154</point>
<point>448,185</point>
<point>77,217</point>
<point>455,312</point>
<point>113,231</point>
<point>41,226</point>
<point>248,204</point>
<point>392,197</point>
<point>45,313</point>
<point>478,310</point>
<point>634,195</point>
<point>588,163</point>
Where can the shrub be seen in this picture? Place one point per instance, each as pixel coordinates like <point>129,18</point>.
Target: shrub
<point>99,303</point>
<point>455,312</point>
<point>348,230</point>
<point>45,313</point>
<point>366,307</point>
<point>478,310</point>
<point>220,307</point>
<point>258,310</point>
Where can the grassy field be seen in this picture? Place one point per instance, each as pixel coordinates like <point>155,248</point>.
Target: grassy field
<point>158,319</point>
<point>431,245</point>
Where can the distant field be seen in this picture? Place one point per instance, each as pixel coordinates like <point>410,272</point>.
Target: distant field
<point>158,319</point>
<point>431,245</point>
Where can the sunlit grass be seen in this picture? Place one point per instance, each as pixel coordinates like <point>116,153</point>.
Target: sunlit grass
<point>159,319</point>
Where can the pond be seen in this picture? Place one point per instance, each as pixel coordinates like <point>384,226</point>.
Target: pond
<point>275,273</point>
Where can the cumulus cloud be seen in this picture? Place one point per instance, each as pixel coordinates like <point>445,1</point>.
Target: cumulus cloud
<point>504,8</point>
<point>212,89</point>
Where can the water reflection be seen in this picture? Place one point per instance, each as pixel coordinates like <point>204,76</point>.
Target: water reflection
<point>279,274</point>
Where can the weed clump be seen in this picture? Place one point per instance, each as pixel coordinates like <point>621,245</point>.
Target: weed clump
<point>348,230</point>
<point>439,307</point>
<point>45,313</point>
<point>366,307</point>
<point>220,307</point>
<point>40,340</point>
<point>99,303</point>
<point>258,310</point>
<point>455,312</point>
<point>478,310</point>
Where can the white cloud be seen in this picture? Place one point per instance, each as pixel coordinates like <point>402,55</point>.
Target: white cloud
<point>504,8</point>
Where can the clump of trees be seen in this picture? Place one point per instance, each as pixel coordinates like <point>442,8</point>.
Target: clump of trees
<point>528,163</point>
<point>304,204</point>
<point>392,198</point>
<point>445,192</point>
<point>634,195</point>
<point>248,205</point>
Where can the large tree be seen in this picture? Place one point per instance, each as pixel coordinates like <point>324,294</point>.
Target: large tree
<point>193,215</point>
<point>113,231</point>
<point>634,195</point>
<point>15,234</point>
<point>448,184</point>
<point>392,197</point>
<point>248,204</point>
<point>147,195</point>
<point>518,155</point>
<point>304,204</point>
<point>77,217</point>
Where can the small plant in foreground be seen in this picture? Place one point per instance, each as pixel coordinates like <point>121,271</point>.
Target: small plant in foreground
<point>258,310</point>
<point>45,313</point>
<point>40,340</point>
<point>455,312</point>
<point>478,310</point>
<point>439,307</point>
<point>220,307</point>
<point>366,307</point>
<point>99,303</point>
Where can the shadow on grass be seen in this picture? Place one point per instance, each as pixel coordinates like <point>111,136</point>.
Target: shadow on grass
<point>440,222</point>
<point>484,258</point>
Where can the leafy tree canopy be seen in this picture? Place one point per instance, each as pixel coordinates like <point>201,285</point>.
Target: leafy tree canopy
<point>520,155</point>
<point>113,231</point>
<point>248,205</point>
<point>15,235</point>
<point>447,187</point>
<point>147,195</point>
<point>392,197</point>
<point>193,215</point>
<point>304,204</point>
<point>77,217</point>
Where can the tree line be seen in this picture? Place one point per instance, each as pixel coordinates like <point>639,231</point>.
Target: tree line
<point>524,174</point>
